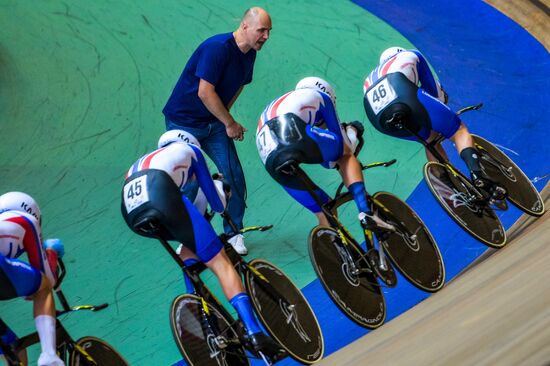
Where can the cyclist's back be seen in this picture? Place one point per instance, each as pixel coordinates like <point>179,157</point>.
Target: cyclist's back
<point>403,83</point>
<point>20,232</point>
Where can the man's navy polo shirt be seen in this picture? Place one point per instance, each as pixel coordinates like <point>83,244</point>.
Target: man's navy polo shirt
<point>219,61</point>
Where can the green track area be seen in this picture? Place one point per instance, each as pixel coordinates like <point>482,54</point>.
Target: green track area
<point>82,86</point>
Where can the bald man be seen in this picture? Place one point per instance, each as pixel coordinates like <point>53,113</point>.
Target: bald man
<point>210,83</point>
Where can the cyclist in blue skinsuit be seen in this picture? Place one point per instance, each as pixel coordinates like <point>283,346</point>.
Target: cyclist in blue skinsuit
<point>303,126</point>
<point>152,188</point>
<point>403,84</point>
<point>20,232</point>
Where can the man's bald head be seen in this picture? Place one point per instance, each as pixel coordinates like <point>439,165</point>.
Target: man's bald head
<point>254,13</point>
<point>254,29</point>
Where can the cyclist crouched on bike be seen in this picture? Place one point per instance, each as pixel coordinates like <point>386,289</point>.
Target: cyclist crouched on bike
<point>290,130</point>
<point>152,188</point>
<point>20,232</point>
<point>402,91</point>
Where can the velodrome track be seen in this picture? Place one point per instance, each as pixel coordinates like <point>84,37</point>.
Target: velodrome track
<point>495,313</point>
<point>82,86</point>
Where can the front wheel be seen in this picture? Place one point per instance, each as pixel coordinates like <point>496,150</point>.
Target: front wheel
<point>284,312</point>
<point>347,278</point>
<point>203,334</point>
<point>411,248</point>
<point>500,168</point>
<point>94,351</point>
<point>461,200</point>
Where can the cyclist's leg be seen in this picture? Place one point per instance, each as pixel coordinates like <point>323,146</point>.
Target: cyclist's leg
<point>234,291</point>
<point>291,183</point>
<point>209,249</point>
<point>26,281</point>
<point>44,318</point>
<point>433,136</point>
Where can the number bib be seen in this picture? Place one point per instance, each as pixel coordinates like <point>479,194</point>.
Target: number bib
<point>265,143</point>
<point>135,193</point>
<point>381,95</point>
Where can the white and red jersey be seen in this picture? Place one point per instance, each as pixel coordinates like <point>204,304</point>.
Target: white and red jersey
<point>20,233</point>
<point>175,159</point>
<point>414,66</point>
<point>183,162</point>
<point>312,106</point>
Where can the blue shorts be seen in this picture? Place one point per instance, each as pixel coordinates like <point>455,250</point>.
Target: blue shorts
<point>207,242</point>
<point>17,278</point>
<point>443,119</point>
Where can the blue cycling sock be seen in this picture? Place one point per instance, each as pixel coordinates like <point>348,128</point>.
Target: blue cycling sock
<point>188,284</point>
<point>241,303</point>
<point>359,193</point>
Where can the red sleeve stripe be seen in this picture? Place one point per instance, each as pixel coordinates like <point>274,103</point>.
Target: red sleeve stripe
<point>273,113</point>
<point>387,66</point>
<point>31,242</point>
<point>147,160</point>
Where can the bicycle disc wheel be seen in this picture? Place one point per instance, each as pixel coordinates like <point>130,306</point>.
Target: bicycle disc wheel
<point>287,315</point>
<point>197,341</point>
<point>453,192</point>
<point>500,168</point>
<point>101,352</point>
<point>417,258</point>
<point>358,296</point>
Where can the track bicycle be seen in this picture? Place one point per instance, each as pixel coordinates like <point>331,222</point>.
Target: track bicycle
<point>205,332</point>
<point>354,277</point>
<point>474,208</point>
<point>86,351</point>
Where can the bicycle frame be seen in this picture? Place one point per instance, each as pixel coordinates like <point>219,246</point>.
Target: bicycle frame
<point>476,195</point>
<point>347,239</point>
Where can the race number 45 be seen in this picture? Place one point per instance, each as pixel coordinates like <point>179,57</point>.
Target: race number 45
<point>135,193</point>
<point>380,96</point>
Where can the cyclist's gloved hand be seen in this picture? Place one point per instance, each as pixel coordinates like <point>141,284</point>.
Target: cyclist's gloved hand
<point>56,245</point>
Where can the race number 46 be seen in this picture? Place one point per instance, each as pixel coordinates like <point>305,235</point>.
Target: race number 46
<point>135,193</point>
<point>380,96</point>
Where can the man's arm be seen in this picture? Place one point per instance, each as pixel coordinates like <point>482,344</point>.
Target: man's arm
<point>207,94</point>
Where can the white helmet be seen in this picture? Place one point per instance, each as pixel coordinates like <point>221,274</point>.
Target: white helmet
<point>313,82</point>
<point>390,52</point>
<point>19,201</point>
<point>177,136</point>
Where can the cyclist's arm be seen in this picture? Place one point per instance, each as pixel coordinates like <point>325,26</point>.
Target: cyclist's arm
<point>32,242</point>
<point>330,118</point>
<point>205,181</point>
<point>427,80</point>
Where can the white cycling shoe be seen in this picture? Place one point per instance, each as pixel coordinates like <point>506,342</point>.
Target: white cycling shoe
<point>374,222</point>
<point>49,359</point>
<point>237,242</point>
